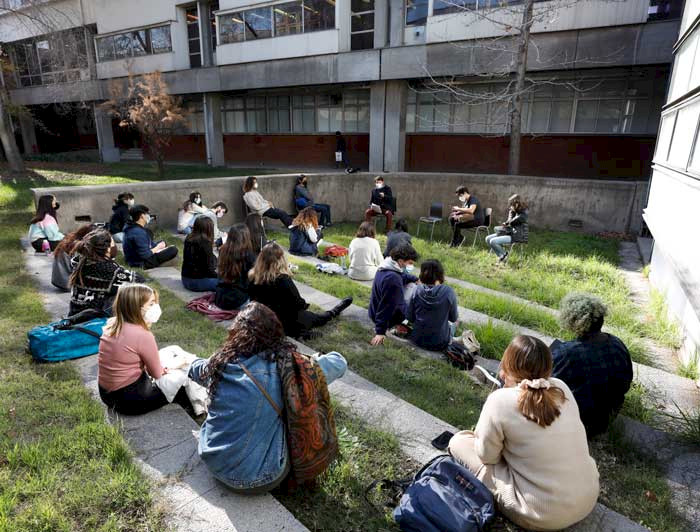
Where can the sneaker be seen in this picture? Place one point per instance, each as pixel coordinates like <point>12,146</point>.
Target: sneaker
<point>347,170</point>
<point>340,307</point>
<point>503,257</point>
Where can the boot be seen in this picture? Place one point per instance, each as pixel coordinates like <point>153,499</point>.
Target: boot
<point>340,307</point>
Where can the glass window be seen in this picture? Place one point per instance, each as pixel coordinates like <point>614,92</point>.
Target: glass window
<point>362,22</point>
<point>362,41</point>
<point>278,114</point>
<point>560,116</point>
<point>105,49</point>
<point>258,23</point>
<point>665,134</point>
<point>139,44</point>
<point>695,161</point>
<point>498,118</point>
<point>122,45</point>
<point>287,18</point>
<point>319,15</point>
<point>416,12</point>
<point>609,112</point>
<point>358,6</point>
<point>539,120</point>
<point>234,122</point>
<point>160,39</point>
<point>586,111</point>
<point>231,28</point>
<point>443,7</point>
<point>43,49</point>
<point>683,135</point>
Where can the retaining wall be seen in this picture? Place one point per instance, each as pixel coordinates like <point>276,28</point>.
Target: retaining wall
<point>554,202</point>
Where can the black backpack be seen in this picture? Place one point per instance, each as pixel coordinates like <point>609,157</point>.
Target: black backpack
<point>459,356</point>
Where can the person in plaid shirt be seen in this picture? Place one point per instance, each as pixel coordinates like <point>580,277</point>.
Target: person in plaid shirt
<point>596,366</point>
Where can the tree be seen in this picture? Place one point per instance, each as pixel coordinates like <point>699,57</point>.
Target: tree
<point>146,106</point>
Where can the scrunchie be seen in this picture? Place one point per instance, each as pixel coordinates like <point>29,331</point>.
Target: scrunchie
<point>535,384</point>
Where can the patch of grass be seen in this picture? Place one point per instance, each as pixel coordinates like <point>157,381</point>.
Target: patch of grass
<point>337,285</point>
<point>636,407</point>
<point>685,424</point>
<point>658,324</point>
<point>690,369</point>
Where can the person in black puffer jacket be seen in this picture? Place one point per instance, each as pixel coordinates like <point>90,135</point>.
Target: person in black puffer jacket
<point>514,229</point>
<point>96,275</point>
<point>120,215</point>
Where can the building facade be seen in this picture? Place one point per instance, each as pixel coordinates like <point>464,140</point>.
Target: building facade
<point>414,85</point>
<point>674,193</point>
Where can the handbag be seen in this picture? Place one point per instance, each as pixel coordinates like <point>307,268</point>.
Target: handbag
<point>63,340</point>
<point>339,157</point>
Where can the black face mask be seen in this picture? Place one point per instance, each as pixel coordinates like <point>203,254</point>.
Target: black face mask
<point>57,206</point>
<point>113,251</point>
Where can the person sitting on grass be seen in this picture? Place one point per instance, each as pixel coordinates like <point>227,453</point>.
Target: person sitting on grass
<point>305,234</point>
<point>529,446</point>
<point>259,205</point>
<point>243,441</point>
<point>392,289</point>
<point>62,257</point>
<point>380,202</point>
<point>128,358</point>
<point>272,285</point>
<point>365,253</point>
<point>399,235</point>
<point>44,234</point>
<point>433,309</point>
<point>596,366</point>
<point>198,259</point>
<point>465,215</point>
<point>217,211</point>
<point>303,199</point>
<point>236,259</point>
<point>96,276</point>
<point>514,229</point>
<point>139,249</point>
<point>190,209</point>
<point>120,215</point>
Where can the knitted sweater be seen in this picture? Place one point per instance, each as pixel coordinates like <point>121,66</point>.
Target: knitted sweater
<point>256,203</point>
<point>100,282</point>
<point>542,478</point>
<point>365,258</point>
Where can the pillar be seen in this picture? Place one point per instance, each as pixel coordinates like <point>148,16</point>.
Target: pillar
<point>387,126</point>
<point>205,34</point>
<point>377,100</point>
<point>397,15</point>
<point>381,23</point>
<point>212,129</point>
<point>109,153</point>
<point>26,125</point>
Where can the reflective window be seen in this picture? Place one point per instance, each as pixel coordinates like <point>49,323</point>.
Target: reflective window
<point>231,28</point>
<point>416,12</point>
<point>134,44</point>
<point>258,23</point>
<point>288,18</point>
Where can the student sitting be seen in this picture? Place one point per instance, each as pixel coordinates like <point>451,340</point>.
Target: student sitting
<point>243,440</point>
<point>596,366</point>
<point>128,359</point>
<point>191,208</point>
<point>198,260</point>
<point>120,215</point>
<point>44,234</point>
<point>96,276</point>
<point>236,259</point>
<point>399,235</point>
<point>272,285</point>
<point>303,199</point>
<point>433,309</point>
<point>390,293</point>
<point>465,215</point>
<point>62,255</point>
<point>305,234</point>
<point>254,223</point>
<point>215,213</point>
<point>139,248</point>
<point>365,253</point>
<point>259,205</point>
<point>529,446</point>
<point>380,202</point>
<point>514,229</point>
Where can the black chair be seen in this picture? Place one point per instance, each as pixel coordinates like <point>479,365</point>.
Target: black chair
<point>486,226</point>
<point>434,217</point>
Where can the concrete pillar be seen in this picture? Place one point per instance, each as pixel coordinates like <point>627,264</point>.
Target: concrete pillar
<point>26,125</point>
<point>205,36</point>
<point>387,126</point>
<point>381,23</point>
<point>109,153</point>
<point>377,100</point>
<point>212,129</point>
<point>397,14</point>
<point>342,24</point>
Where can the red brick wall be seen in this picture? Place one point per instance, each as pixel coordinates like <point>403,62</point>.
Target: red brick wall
<point>565,155</point>
<point>183,148</point>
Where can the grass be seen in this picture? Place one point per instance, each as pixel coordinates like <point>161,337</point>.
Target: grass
<point>690,369</point>
<point>658,323</point>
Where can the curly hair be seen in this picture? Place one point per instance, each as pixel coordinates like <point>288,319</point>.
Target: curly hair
<point>582,314</point>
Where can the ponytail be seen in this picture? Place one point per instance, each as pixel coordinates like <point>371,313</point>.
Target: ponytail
<point>94,247</point>
<point>539,401</point>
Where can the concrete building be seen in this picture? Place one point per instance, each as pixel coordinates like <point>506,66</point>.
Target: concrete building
<point>269,82</point>
<point>674,195</point>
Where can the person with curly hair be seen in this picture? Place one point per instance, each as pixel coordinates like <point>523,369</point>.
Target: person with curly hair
<point>243,441</point>
<point>596,366</point>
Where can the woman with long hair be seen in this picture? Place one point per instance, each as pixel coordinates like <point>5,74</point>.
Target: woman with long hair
<point>120,215</point>
<point>191,208</point>
<point>529,446</point>
<point>254,223</point>
<point>198,259</point>
<point>44,234</point>
<point>242,441</point>
<point>236,259</point>
<point>259,205</point>
<point>303,199</point>
<point>305,235</point>
<point>514,229</point>
<point>272,285</point>
<point>96,277</point>
<point>63,255</point>
<point>365,253</point>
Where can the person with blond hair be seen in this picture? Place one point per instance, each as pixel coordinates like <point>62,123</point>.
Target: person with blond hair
<point>596,366</point>
<point>365,253</point>
<point>272,285</point>
<point>128,359</point>
<point>529,446</point>
<point>305,235</point>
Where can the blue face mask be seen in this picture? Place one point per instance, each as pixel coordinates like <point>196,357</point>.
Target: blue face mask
<point>408,268</point>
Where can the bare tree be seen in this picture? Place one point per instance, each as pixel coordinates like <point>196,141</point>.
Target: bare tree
<point>147,106</point>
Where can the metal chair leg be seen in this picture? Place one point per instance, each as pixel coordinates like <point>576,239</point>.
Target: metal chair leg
<point>432,230</point>
<point>418,230</point>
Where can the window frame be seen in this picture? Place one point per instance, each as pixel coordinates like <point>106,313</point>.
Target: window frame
<point>130,34</point>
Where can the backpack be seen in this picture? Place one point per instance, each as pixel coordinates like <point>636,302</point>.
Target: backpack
<point>445,496</point>
<point>63,340</point>
<point>335,251</point>
<point>459,356</point>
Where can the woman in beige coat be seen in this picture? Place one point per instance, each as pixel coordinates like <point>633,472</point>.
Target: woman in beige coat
<point>529,447</point>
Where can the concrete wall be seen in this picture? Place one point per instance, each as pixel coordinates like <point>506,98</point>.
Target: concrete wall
<point>600,205</point>
<point>301,45</point>
<point>45,18</point>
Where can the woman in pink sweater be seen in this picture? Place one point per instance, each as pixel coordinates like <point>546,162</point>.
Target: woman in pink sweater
<point>128,359</point>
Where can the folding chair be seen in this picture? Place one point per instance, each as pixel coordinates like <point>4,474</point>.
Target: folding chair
<point>486,226</point>
<point>434,217</point>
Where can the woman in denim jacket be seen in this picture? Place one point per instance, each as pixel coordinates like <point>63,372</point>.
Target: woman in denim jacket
<point>243,440</point>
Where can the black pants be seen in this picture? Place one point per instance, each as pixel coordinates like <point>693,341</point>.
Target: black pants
<point>307,320</point>
<point>39,242</point>
<point>324,212</point>
<point>278,214</point>
<point>140,397</point>
<point>458,226</point>
<point>157,259</point>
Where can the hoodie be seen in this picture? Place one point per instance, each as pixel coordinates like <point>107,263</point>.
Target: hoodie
<point>137,244</point>
<point>387,306</point>
<point>430,311</point>
<point>120,215</point>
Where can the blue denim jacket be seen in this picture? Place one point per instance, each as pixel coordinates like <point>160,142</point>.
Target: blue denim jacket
<point>243,441</point>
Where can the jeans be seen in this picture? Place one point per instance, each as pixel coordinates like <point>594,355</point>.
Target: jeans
<point>157,259</point>
<point>207,284</point>
<point>278,214</point>
<point>370,213</point>
<point>118,237</point>
<point>324,212</point>
<point>496,243</point>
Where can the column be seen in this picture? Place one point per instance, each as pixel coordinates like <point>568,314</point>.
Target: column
<point>205,34</point>
<point>109,153</point>
<point>381,23</point>
<point>397,14</point>
<point>26,125</point>
<point>377,97</point>
<point>395,126</point>
<point>212,129</point>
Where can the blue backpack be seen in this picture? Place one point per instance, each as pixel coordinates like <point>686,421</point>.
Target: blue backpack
<point>62,340</point>
<point>445,496</point>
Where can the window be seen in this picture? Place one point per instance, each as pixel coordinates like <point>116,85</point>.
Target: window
<point>231,28</point>
<point>278,114</point>
<point>258,23</point>
<point>193,42</point>
<point>683,135</point>
<point>136,43</point>
<point>443,7</point>
<point>160,39</point>
<point>362,24</point>
<point>139,44</point>
<point>255,115</point>
<point>234,115</point>
<point>416,12</point>
<point>318,15</point>
<point>665,134</point>
<point>288,18</point>
<point>303,114</point>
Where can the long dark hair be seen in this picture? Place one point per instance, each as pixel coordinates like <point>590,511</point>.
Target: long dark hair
<point>516,203</point>
<point>256,330</point>
<point>254,222</point>
<point>232,257</point>
<point>123,198</point>
<point>93,247</point>
<point>202,229</point>
<point>71,239</point>
<point>44,206</point>
<point>248,183</point>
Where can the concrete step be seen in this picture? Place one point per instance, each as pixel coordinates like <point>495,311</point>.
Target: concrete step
<point>132,154</point>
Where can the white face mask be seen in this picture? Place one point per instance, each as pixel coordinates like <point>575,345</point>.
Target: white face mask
<point>198,201</point>
<point>131,202</point>
<point>220,214</point>
<point>462,198</point>
<point>379,185</point>
<point>255,185</point>
<point>408,268</point>
<point>152,315</point>
<point>148,219</point>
